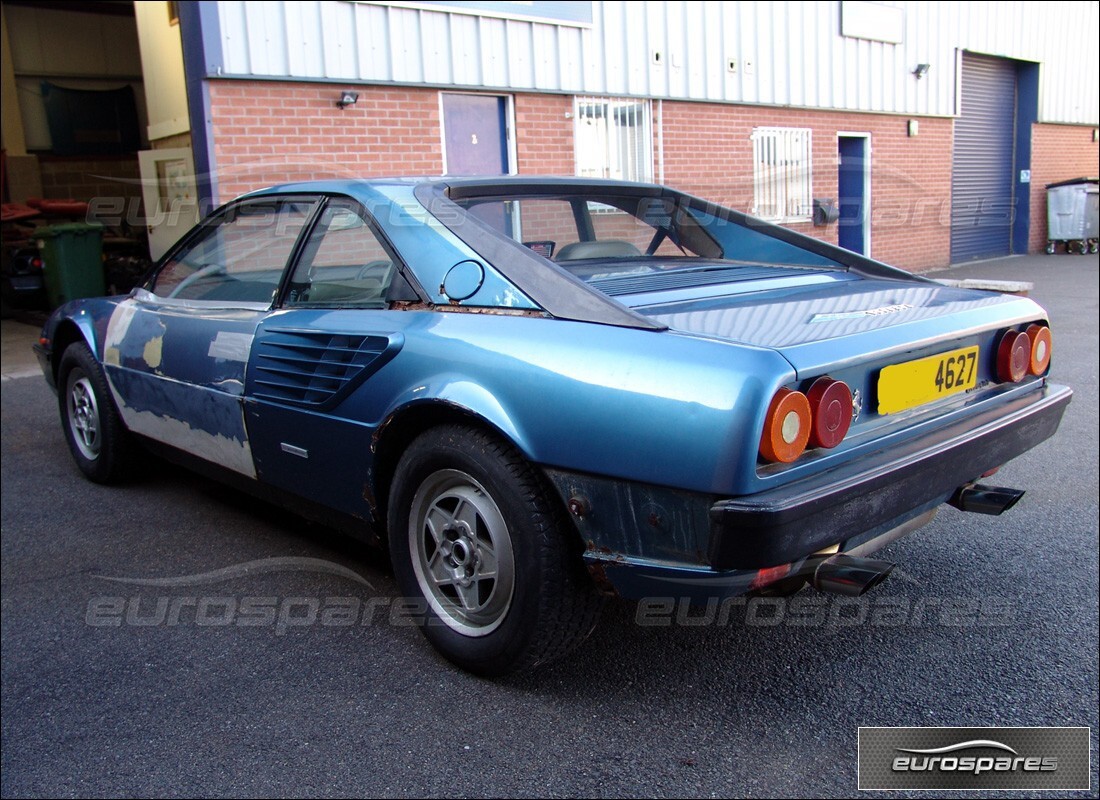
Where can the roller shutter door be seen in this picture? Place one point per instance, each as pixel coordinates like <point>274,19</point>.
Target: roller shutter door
<point>982,172</point>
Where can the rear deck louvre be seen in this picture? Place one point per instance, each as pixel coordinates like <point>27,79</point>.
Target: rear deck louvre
<point>658,281</point>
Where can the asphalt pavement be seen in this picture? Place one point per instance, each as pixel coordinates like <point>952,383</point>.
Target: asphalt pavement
<point>174,638</point>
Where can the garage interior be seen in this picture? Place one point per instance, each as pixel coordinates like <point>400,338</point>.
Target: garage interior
<point>81,48</point>
<point>85,104</point>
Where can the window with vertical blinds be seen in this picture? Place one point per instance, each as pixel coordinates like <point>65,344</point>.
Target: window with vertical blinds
<point>612,139</point>
<point>781,174</point>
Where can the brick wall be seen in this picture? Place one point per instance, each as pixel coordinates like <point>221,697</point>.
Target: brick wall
<point>111,184</point>
<point>81,178</point>
<point>267,133</point>
<point>544,134</point>
<point>1058,153</point>
<point>708,151</point>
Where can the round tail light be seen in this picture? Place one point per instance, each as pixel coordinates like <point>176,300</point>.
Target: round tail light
<point>1013,356</point>
<point>830,412</point>
<point>1041,344</point>
<point>786,427</point>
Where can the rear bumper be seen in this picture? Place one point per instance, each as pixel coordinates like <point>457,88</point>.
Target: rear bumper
<point>19,285</point>
<point>649,541</point>
<point>786,524</point>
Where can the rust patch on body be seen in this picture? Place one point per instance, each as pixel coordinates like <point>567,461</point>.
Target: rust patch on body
<point>496,312</point>
<point>602,549</point>
<point>455,307</point>
<point>378,432</point>
<point>368,496</point>
<point>598,571</point>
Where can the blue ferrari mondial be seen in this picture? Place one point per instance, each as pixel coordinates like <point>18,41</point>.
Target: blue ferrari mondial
<point>540,391</point>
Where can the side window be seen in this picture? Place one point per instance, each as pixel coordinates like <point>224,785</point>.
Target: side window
<point>238,258</point>
<point>343,263</point>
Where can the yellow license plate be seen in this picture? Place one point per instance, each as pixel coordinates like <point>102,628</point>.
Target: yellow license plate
<point>914,383</point>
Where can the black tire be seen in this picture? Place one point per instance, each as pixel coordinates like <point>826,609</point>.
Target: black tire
<point>490,508</point>
<point>98,441</point>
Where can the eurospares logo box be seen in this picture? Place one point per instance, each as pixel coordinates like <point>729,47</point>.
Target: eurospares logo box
<point>974,758</point>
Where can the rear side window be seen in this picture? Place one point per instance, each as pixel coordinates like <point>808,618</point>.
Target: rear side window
<point>575,228</point>
<point>343,263</point>
<point>239,256</point>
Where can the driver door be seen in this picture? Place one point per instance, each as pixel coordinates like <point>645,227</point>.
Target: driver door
<point>175,352</point>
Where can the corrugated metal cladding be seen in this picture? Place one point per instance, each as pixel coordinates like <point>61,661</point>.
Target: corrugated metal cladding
<point>981,171</point>
<point>783,52</point>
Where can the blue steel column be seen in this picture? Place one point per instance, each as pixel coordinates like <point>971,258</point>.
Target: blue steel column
<point>200,34</point>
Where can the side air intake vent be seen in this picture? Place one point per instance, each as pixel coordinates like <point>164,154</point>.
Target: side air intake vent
<point>315,368</point>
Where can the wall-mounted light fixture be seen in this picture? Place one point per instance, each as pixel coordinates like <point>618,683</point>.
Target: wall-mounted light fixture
<point>921,70</point>
<point>347,99</point>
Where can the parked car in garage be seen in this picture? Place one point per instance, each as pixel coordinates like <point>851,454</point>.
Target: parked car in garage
<point>537,392</point>
<point>21,282</point>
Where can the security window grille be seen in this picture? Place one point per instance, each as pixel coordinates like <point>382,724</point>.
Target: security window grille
<point>781,174</point>
<point>613,139</point>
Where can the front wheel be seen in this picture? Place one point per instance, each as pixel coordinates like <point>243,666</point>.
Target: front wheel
<point>98,441</point>
<point>482,549</point>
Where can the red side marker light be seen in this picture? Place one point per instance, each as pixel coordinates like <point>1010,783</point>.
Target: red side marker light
<point>1013,356</point>
<point>831,412</point>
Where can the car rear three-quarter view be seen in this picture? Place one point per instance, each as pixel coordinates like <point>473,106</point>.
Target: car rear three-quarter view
<point>541,391</point>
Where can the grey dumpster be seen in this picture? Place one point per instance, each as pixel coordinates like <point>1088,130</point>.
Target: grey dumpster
<point>1073,215</point>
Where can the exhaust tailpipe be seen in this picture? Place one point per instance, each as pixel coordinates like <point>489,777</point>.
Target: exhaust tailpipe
<point>984,499</point>
<point>849,575</point>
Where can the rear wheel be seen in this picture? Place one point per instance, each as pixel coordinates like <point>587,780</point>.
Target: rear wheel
<point>97,439</point>
<point>482,548</point>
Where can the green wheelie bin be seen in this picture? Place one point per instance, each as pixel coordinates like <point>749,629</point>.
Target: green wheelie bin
<point>72,260</point>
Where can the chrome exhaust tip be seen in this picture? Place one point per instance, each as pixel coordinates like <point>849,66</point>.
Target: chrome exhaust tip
<point>994,500</point>
<point>849,575</point>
